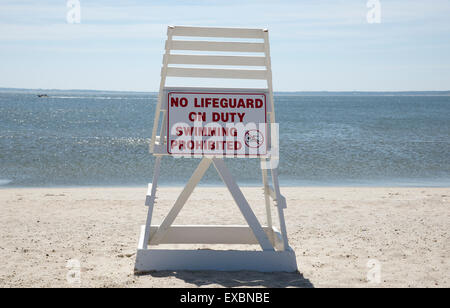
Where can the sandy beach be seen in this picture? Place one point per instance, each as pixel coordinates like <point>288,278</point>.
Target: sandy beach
<point>334,232</point>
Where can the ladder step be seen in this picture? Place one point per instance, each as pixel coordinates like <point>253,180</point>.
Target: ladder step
<point>150,199</point>
<point>272,193</point>
<point>281,202</point>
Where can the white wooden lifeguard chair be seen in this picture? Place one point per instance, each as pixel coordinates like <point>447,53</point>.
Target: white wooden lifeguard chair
<point>275,254</point>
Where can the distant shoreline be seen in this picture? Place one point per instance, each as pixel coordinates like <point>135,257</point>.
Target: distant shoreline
<point>279,93</point>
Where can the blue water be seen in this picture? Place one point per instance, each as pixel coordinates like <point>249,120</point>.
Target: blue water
<point>101,139</point>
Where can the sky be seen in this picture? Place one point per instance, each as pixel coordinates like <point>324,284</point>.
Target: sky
<point>316,45</point>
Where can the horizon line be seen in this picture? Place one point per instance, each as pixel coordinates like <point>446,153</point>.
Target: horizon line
<point>287,91</point>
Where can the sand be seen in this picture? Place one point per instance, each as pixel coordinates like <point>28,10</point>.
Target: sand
<point>334,231</point>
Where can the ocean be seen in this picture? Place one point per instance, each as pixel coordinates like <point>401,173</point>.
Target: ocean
<point>91,138</point>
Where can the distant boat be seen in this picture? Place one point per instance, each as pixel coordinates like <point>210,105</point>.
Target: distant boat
<point>42,95</point>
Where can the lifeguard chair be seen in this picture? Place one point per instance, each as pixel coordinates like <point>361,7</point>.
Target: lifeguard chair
<point>275,253</point>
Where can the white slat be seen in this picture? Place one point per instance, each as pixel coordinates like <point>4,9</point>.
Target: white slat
<point>214,260</point>
<point>215,46</point>
<point>201,234</point>
<point>216,60</point>
<point>216,73</point>
<point>218,32</point>
<point>181,200</point>
<point>243,205</point>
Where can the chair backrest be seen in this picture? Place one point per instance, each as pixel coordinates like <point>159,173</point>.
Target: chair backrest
<point>230,48</point>
<point>217,51</point>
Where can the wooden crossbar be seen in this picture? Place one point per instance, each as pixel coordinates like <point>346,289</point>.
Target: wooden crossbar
<point>216,60</point>
<point>217,234</point>
<point>187,191</point>
<point>218,32</point>
<point>216,73</point>
<point>215,46</point>
<point>242,203</point>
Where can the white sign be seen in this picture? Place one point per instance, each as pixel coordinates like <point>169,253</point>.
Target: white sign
<point>216,123</point>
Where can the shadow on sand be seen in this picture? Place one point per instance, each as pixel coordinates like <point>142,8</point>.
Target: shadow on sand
<point>236,279</point>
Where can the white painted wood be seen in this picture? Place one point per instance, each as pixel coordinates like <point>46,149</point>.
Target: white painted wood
<point>141,244</point>
<point>211,60</point>
<point>182,198</point>
<point>151,197</point>
<point>215,46</point>
<point>278,239</point>
<point>161,150</point>
<point>268,237</point>
<point>242,203</point>
<point>269,74</point>
<point>217,32</point>
<point>281,204</point>
<point>162,131</point>
<point>149,190</point>
<point>215,260</point>
<point>216,73</point>
<point>211,89</point>
<point>267,202</point>
<point>217,60</point>
<point>148,198</point>
<point>161,88</point>
<point>209,234</point>
<point>272,194</point>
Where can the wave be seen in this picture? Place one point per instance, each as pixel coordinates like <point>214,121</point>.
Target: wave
<point>4,182</point>
<point>100,97</point>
